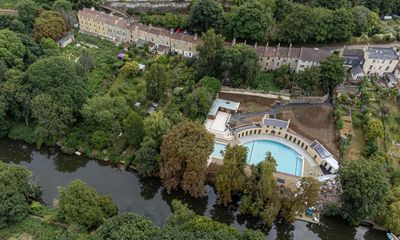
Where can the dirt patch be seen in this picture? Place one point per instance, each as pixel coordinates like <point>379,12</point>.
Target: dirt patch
<point>313,122</point>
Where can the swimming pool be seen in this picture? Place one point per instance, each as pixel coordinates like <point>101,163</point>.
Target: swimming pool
<point>219,148</point>
<point>288,161</point>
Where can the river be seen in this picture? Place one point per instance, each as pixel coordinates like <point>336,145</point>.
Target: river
<point>52,169</point>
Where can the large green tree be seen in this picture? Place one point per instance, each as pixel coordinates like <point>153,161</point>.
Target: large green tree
<point>206,14</point>
<point>127,226</point>
<point>366,21</point>
<point>240,66</point>
<point>261,197</point>
<point>133,128</point>
<point>210,52</point>
<point>230,177</point>
<point>82,205</point>
<point>365,187</point>
<point>185,151</point>
<point>27,12</point>
<point>333,72</point>
<point>49,24</point>
<point>249,22</point>
<point>156,81</point>
<point>15,191</point>
<point>12,50</point>
<point>155,127</point>
<point>185,224</point>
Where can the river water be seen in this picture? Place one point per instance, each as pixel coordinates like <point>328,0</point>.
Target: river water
<point>52,169</point>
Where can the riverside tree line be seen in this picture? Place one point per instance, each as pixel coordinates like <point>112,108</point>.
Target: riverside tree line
<point>48,97</point>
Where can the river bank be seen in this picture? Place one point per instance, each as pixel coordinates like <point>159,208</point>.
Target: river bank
<point>51,168</point>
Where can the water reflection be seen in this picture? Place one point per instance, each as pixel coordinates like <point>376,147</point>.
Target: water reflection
<point>147,197</point>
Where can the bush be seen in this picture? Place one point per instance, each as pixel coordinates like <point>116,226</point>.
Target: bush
<point>99,139</point>
<point>13,206</point>
<point>128,226</point>
<point>82,205</point>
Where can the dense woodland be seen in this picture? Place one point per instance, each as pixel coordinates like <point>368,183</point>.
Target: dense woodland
<point>289,21</point>
<point>83,98</point>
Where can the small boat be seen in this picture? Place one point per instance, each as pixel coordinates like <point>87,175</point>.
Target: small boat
<point>78,153</point>
<point>391,236</point>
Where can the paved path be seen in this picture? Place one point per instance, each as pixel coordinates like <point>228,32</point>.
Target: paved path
<point>8,12</point>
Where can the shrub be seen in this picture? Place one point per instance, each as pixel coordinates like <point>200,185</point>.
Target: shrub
<point>99,139</point>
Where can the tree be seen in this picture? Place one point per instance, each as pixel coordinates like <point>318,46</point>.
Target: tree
<point>156,81</point>
<point>155,126</point>
<point>308,192</point>
<point>52,118</point>
<point>331,4</point>
<point>309,79</point>
<point>62,5</point>
<point>342,25</point>
<point>365,20</point>
<point>146,161</point>
<point>230,177</point>
<point>365,190</point>
<point>127,226</point>
<point>261,197</point>
<point>79,4</point>
<point>184,152</point>
<point>27,12</point>
<point>185,224</point>
<point>133,128</point>
<point>49,24</point>
<point>130,69</point>
<point>3,70</point>
<point>59,78</point>
<point>49,47</point>
<point>15,191</point>
<point>206,14</point>
<point>105,113</point>
<point>390,219</point>
<point>373,129</point>
<point>86,61</point>
<point>82,205</point>
<point>12,49</point>
<point>210,53</point>
<point>241,67</point>
<point>250,22</point>
<point>333,72</point>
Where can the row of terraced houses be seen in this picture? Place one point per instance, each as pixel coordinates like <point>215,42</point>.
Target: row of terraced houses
<point>163,41</point>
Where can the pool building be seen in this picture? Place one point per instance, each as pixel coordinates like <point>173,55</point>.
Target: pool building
<point>296,156</point>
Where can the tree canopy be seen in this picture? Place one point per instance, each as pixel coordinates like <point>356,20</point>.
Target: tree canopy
<point>365,187</point>
<point>230,177</point>
<point>205,14</point>
<point>184,152</point>
<point>127,226</point>
<point>82,205</point>
<point>49,24</point>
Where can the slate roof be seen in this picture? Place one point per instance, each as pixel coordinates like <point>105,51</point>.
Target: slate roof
<point>356,70</point>
<point>314,54</point>
<point>382,53</point>
<point>276,123</point>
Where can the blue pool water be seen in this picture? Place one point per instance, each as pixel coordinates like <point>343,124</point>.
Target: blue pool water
<point>218,149</point>
<point>288,161</point>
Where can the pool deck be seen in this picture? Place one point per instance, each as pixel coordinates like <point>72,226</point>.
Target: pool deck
<point>310,167</point>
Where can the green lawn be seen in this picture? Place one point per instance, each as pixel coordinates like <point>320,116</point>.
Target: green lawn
<point>267,83</point>
<point>357,145</point>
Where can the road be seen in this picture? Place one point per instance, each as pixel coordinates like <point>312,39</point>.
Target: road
<point>8,12</point>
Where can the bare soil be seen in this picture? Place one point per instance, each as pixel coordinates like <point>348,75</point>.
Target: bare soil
<point>313,122</point>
